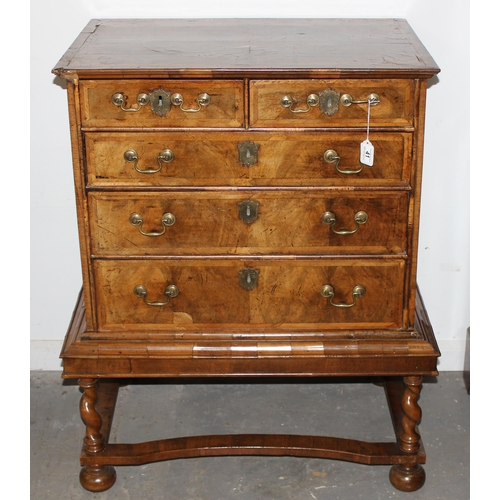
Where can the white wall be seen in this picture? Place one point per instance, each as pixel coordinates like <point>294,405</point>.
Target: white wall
<point>443,273</point>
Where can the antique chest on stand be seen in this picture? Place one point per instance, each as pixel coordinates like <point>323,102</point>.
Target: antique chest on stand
<point>248,197</point>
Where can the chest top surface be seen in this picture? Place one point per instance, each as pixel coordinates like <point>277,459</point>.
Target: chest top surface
<point>345,47</point>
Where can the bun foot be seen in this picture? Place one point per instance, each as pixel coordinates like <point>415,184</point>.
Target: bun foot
<point>97,478</point>
<point>407,478</point>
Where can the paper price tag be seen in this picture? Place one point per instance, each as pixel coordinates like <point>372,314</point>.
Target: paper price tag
<point>367,152</point>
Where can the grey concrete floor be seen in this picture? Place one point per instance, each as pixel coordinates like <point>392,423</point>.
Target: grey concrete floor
<point>345,408</point>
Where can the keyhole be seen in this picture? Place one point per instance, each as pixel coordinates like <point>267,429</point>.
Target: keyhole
<point>249,279</point>
<point>249,153</point>
<point>160,101</point>
<point>248,211</point>
<point>329,103</point>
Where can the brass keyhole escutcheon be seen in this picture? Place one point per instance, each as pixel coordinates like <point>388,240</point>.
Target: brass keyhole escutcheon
<point>329,101</point>
<point>248,153</point>
<point>160,101</point>
<point>248,278</point>
<point>248,211</point>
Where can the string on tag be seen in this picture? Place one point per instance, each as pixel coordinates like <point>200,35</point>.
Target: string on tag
<point>368,122</point>
<point>367,151</point>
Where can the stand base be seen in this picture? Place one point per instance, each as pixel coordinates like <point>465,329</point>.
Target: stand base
<point>98,473</point>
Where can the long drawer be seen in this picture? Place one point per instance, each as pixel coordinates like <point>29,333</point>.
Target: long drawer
<point>321,103</point>
<point>162,103</point>
<point>273,158</point>
<point>216,222</point>
<point>283,293</point>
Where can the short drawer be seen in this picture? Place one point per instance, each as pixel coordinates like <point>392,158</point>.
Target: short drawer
<point>267,222</point>
<point>162,103</point>
<point>321,103</point>
<point>246,159</point>
<point>181,294</point>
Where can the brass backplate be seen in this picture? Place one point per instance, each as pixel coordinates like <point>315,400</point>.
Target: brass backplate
<point>248,278</point>
<point>248,210</point>
<point>160,101</point>
<point>248,153</point>
<point>329,101</point>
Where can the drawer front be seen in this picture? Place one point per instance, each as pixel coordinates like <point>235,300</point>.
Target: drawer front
<point>215,222</point>
<point>183,294</point>
<point>112,103</point>
<point>394,109</point>
<point>246,159</point>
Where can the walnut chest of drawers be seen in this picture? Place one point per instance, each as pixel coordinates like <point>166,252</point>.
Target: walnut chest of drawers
<point>228,226</point>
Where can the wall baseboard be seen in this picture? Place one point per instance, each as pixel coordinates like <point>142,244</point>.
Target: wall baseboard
<point>44,355</point>
<point>452,355</point>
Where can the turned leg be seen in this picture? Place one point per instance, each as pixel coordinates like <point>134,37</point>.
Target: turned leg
<point>93,477</point>
<point>409,477</point>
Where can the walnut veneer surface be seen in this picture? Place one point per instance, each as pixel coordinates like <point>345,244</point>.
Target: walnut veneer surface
<point>228,228</point>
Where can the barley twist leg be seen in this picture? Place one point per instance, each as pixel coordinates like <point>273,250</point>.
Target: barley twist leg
<point>409,477</point>
<point>93,477</point>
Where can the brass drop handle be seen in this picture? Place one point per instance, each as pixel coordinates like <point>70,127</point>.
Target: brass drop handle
<point>328,291</point>
<point>330,218</point>
<point>203,101</point>
<point>311,101</point>
<point>170,292</point>
<point>347,100</point>
<point>167,219</point>
<point>331,157</point>
<point>165,156</point>
<point>118,99</point>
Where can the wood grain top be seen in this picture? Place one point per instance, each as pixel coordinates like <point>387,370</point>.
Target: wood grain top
<point>246,47</point>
